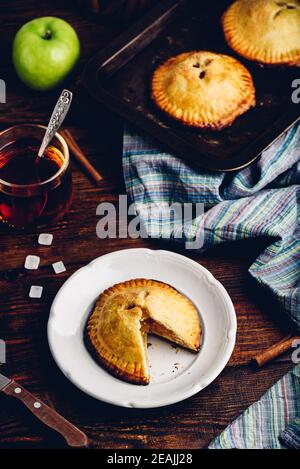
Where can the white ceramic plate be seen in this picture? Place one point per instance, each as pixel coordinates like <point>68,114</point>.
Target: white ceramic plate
<point>176,374</point>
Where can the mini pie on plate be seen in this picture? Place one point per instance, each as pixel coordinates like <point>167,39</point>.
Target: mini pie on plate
<point>266,31</point>
<point>116,331</point>
<point>203,89</point>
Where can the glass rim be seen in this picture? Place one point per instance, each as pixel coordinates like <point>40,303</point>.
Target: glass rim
<point>61,170</point>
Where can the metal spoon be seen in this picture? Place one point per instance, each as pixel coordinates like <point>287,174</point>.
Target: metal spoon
<point>58,115</point>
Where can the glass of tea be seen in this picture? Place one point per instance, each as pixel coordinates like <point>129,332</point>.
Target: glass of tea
<point>33,190</point>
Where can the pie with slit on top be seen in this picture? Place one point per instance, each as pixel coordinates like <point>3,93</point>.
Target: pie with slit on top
<point>203,89</point>
<point>266,31</point>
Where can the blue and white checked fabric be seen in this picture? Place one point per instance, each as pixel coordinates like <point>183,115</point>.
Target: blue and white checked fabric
<point>262,200</point>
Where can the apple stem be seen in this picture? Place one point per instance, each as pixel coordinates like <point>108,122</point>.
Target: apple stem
<point>47,34</point>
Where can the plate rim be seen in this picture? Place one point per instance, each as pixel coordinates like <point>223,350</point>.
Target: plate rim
<point>161,402</point>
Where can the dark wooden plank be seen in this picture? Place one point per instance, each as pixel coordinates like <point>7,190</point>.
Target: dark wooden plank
<point>190,424</point>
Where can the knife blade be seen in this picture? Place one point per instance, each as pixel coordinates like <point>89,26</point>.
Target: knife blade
<point>73,436</point>
<point>4,381</point>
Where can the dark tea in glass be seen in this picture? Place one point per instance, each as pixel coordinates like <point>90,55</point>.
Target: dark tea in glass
<point>33,190</point>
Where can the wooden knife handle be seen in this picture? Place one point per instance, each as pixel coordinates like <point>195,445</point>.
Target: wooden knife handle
<point>275,350</point>
<point>73,436</point>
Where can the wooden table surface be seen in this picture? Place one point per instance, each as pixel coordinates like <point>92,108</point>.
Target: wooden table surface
<point>190,424</point>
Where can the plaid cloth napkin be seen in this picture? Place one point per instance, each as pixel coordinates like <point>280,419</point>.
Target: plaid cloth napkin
<point>262,200</point>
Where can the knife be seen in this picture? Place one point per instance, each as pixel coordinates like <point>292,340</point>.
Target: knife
<point>73,436</point>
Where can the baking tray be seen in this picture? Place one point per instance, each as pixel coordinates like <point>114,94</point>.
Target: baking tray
<point>119,78</point>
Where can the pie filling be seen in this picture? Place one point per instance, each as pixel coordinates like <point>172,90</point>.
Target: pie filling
<point>150,326</point>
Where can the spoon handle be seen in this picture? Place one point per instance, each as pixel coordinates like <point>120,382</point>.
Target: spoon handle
<point>58,115</point>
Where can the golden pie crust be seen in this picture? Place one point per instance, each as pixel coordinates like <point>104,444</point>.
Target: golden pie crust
<point>266,31</point>
<point>116,332</point>
<point>203,89</point>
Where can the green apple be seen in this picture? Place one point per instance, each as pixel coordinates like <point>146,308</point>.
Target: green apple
<point>45,50</point>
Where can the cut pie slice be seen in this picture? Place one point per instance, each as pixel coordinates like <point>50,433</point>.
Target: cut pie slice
<point>203,89</point>
<point>117,329</point>
<point>266,31</point>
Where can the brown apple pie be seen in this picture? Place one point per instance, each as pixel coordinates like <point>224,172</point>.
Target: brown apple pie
<point>266,31</point>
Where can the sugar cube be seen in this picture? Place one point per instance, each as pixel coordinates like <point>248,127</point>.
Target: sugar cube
<point>32,262</point>
<point>45,239</point>
<point>59,267</point>
<point>35,291</point>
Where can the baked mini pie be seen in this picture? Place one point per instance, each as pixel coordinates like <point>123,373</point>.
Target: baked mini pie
<point>203,89</point>
<point>117,329</point>
<point>266,31</point>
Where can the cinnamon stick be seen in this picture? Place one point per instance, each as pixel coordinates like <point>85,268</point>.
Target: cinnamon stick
<point>80,156</point>
<point>275,350</point>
